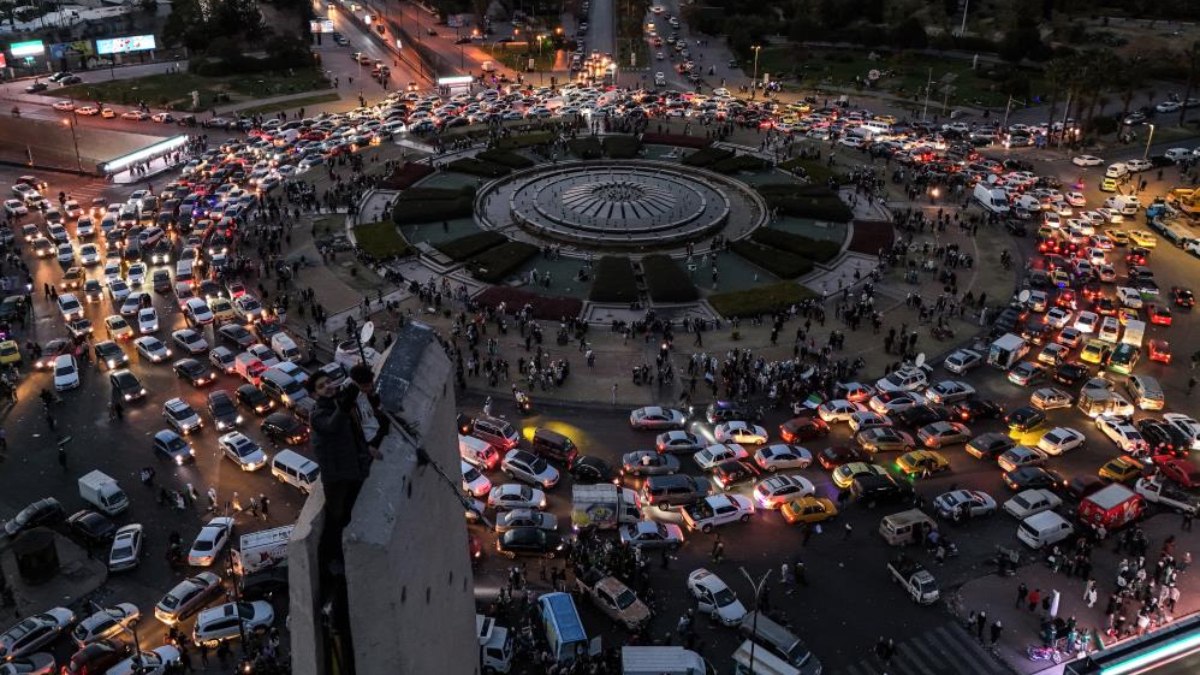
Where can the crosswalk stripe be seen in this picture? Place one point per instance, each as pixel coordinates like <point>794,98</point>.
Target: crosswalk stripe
<point>910,659</point>
<point>954,643</point>
<point>860,668</point>
<point>929,654</point>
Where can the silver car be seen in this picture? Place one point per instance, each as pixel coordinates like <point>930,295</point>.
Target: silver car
<point>652,534</point>
<point>34,632</point>
<point>526,518</point>
<point>530,468</point>
<point>680,441</point>
<point>654,417</point>
<point>186,597</point>
<point>648,463</point>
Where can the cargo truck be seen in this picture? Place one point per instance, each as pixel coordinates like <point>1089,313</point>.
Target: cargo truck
<point>102,491</point>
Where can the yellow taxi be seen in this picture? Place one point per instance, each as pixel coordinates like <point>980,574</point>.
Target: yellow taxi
<point>808,510</point>
<point>921,462</point>
<point>844,475</point>
<point>10,352</point>
<point>1121,469</point>
<point>1143,238</point>
<point>222,309</point>
<point>1093,351</point>
<point>1127,314</point>
<point>1108,185</point>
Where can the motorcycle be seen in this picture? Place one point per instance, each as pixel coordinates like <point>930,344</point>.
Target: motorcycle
<point>524,403</point>
<point>1037,653</point>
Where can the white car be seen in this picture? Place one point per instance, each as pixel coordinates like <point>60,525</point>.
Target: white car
<point>1086,322</point>
<point>838,410</point>
<point>15,208</point>
<point>70,307</point>
<point>474,483</point>
<point>34,632</point>
<point>904,379</point>
<point>949,391</point>
<point>152,348</point>
<point>1086,160</point>
<point>211,540</point>
<point>136,274</point>
<point>66,372</point>
<point>126,550</point>
<point>1177,154</point>
<point>740,432</point>
<point>1031,502</point>
<point>1187,425</point>
<point>1060,440</point>
<point>1139,165</point>
<point>1051,398</point>
<point>868,419</point>
<point>156,662</point>
<point>106,623</point>
<point>1076,199</point>
<point>655,417</point>
<point>895,401</point>
<point>962,360</point>
<point>198,312</point>
<point>1058,318</point>
<point>1129,297</point>
<point>776,491</point>
<point>89,255</point>
<point>530,468</point>
<point>230,621</point>
<point>964,504</point>
<point>1016,457</point>
<point>264,354</point>
<point>782,457</point>
<point>715,598</point>
<point>713,455</point>
<point>181,416</point>
<point>244,452</point>
<point>186,597</point>
<point>1122,432</point>
<point>65,254</point>
<point>716,510</point>
<point>516,496</point>
<point>190,341</point>
<point>147,321</point>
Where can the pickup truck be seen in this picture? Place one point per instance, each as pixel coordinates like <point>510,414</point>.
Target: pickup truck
<point>717,510</point>
<point>915,579</point>
<point>1166,495</point>
<point>613,598</point>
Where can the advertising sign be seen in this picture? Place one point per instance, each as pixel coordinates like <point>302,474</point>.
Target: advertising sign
<point>31,48</point>
<point>3,63</point>
<point>124,45</point>
<point>320,26</point>
<point>61,50</point>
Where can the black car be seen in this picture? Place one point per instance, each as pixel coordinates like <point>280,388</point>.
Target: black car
<point>282,428</point>
<point>42,512</point>
<point>161,280</point>
<point>590,469</point>
<point>97,657</point>
<point>731,473</point>
<point>236,335</point>
<point>1070,373</point>
<point>252,397</point>
<point>1034,477</point>
<point>266,330</point>
<point>990,445</point>
<point>1163,438</point>
<point>110,355</point>
<point>1024,418</point>
<point>879,489</point>
<point>804,428</point>
<point>223,410</point>
<point>1084,485</point>
<point>529,541</point>
<point>977,409</point>
<point>921,415</point>
<point>209,289</point>
<point>195,372</point>
<point>51,351</point>
<point>264,584</point>
<point>837,455</point>
<point>90,527</point>
<point>126,386</point>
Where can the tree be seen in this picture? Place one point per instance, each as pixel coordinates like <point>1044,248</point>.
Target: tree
<point>1127,78</point>
<point>1192,58</point>
<point>910,34</point>
<point>1022,41</point>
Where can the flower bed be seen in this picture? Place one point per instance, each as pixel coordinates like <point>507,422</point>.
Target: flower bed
<point>543,307</point>
<point>677,140</point>
<point>496,264</point>
<point>622,147</point>
<point>780,263</point>
<point>614,280</point>
<point>806,201</point>
<point>427,205</point>
<point>478,167</point>
<point>759,300</point>
<point>667,281</point>
<point>505,158</point>
<point>816,250</point>
<point>465,248</point>
<point>708,156</point>
<point>406,175</point>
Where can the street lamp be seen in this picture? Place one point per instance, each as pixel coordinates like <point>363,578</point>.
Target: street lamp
<point>70,122</point>
<point>758,589</point>
<point>1149,138</point>
<point>754,81</point>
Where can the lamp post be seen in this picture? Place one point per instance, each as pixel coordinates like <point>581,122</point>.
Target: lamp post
<point>70,122</point>
<point>758,589</point>
<point>1146,154</point>
<point>754,80</point>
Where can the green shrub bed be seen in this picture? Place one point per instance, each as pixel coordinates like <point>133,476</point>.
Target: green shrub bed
<point>426,205</point>
<point>528,140</point>
<point>806,201</point>
<point>381,240</point>
<point>497,264</point>
<point>759,300</point>
<point>614,280</point>
<point>815,170</point>
<point>780,263</point>
<point>465,248</point>
<point>707,157</point>
<point>587,147</point>
<point>667,281</point>
<point>816,250</point>
<point>622,147</point>
<point>505,158</point>
<point>739,163</point>
<point>478,167</point>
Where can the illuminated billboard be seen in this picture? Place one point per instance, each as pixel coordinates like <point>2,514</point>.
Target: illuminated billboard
<point>31,48</point>
<point>124,45</point>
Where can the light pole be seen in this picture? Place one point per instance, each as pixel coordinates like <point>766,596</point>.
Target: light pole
<point>754,80</point>
<point>70,121</point>
<point>758,589</point>
<point>928,87</point>
<point>1146,154</point>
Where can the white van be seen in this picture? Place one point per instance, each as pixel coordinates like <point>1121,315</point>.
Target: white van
<point>295,469</point>
<point>283,345</point>
<point>992,200</point>
<point>1117,170</point>
<point>1044,529</point>
<point>478,453</point>
<point>765,663</point>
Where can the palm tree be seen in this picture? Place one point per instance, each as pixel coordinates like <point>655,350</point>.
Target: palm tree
<point>1059,74</point>
<point>1192,58</point>
<point>1127,81</point>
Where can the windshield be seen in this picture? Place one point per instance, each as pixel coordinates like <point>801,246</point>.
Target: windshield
<point>724,597</point>
<point>64,370</point>
<point>122,552</point>
<point>625,599</point>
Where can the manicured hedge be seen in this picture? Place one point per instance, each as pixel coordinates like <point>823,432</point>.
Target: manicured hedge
<point>667,281</point>
<point>622,147</point>
<point>478,167</point>
<point>587,147</point>
<point>707,157</point>
<point>760,299</point>
<point>815,170</point>
<point>525,140</point>
<point>427,205</point>
<point>465,248</point>
<point>614,281</point>
<point>505,158</point>
<point>677,140</point>
<point>806,201</point>
<point>739,163</point>
<point>780,263</point>
<point>405,175</point>
<point>381,240</point>
<point>497,264</point>
<point>816,250</point>
<point>543,307</point>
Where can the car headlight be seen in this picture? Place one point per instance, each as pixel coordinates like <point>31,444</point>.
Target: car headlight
<point>239,419</point>
<point>128,397</point>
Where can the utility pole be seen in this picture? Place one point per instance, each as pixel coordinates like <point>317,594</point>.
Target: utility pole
<point>758,589</point>
<point>1146,154</point>
<point>963,29</point>
<point>70,121</point>
<point>928,87</point>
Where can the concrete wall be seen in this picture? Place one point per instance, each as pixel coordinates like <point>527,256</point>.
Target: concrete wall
<point>409,578</point>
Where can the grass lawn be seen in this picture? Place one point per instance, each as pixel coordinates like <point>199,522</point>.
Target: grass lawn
<point>301,102</point>
<point>175,90</point>
<point>381,239</point>
<point>905,74</point>
<point>517,58</point>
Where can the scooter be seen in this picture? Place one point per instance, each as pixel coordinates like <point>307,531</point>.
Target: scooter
<point>524,403</point>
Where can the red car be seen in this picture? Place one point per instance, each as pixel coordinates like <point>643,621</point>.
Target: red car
<point>1159,314</point>
<point>803,428</point>
<point>1160,350</point>
<point>1182,471</point>
<point>1183,297</point>
<point>1137,256</point>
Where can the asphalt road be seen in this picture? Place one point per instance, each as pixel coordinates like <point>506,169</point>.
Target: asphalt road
<point>120,449</point>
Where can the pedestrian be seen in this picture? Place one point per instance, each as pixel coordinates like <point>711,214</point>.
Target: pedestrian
<point>1022,591</point>
<point>800,578</point>
<point>212,499</point>
<point>980,622</point>
<point>996,628</point>
<point>1186,526</point>
<point>1090,596</point>
<point>185,659</point>
<point>718,550</point>
<point>264,505</point>
<point>62,454</point>
<point>847,531</point>
<point>1035,596</point>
